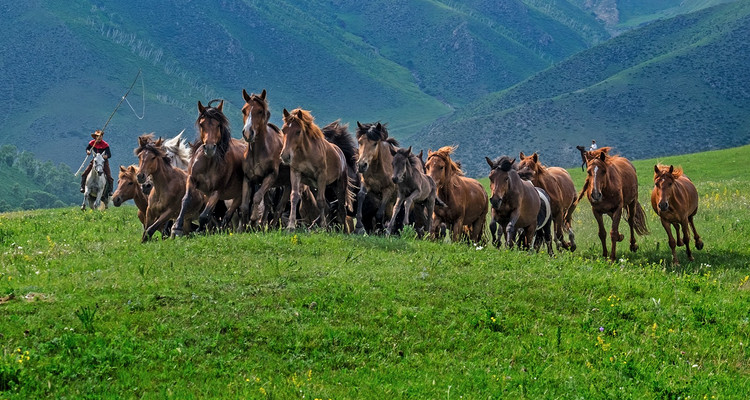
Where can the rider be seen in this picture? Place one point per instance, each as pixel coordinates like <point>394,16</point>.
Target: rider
<point>98,145</point>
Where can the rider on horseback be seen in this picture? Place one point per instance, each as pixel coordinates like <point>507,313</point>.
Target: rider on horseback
<point>98,145</point>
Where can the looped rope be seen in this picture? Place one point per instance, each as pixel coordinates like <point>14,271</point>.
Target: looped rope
<point>124,97</point>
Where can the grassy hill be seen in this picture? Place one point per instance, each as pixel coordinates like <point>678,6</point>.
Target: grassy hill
<point>672,87</point>
<point>94,313</point>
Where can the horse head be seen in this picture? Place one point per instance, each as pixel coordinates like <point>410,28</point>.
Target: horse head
<point>596,176</point>
<point>255,115</point>
<point>149,155</point>
<point>369,138</point>
<point>126,185</point>
<point>501,182</point>
<point>440,167</point>
<point>214,129</point>
<point>402,159</point>
<point>664,178</point>
<point>298,124</point>
<point>528,166</point>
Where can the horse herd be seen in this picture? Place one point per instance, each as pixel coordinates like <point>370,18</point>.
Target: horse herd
<point>302,174</point>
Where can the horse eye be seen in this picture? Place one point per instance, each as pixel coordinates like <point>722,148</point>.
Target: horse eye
<point>130,183</point>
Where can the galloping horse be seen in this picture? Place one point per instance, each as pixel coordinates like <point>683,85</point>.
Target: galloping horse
<point>375,166</point>
<point>675,199</point>
<point>215,168</point>
<point>129,188</point>
<point>169,184</point>
<point>465,198</point>
<point>95,185</point>
<point>414,186</point>
<point>515,203</point>
<point>316,162</point>
<point>612,185</point>
<point>559,186</point>
<point>262,157</point>
<point>178,150</point>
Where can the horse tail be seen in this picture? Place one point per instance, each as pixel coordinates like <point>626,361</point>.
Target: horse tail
<point>639,219</point>
<point>338,134</point>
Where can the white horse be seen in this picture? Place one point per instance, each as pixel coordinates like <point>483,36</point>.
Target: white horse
<point>95,185</point>
<point>178,151</point>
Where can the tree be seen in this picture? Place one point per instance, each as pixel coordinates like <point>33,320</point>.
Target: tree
<point>8,153</point>
<point>27,163</point>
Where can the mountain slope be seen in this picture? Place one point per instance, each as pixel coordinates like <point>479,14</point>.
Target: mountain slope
<point>673,87</point>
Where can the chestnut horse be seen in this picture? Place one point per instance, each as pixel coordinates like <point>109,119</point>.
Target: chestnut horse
<point>215,168</point>
<point>612,185</point>
<point>675,199</point>
<point>374,163</point>
<point>559,186</point>
<point>128,188</point>
<point>465,198</point>
<point>315,162</point>
<point>169,185</point>
<point>515,203</point>
<point>414,187</point>
<point>262,157</point>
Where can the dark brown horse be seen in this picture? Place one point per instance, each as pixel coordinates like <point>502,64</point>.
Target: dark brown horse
<point>215,167</point>
<point>128,188</point>
<point>315,162</point>
<point>515,203</point>
<point>675,199</point>
<point>262,157</point>
<point>612,186</point>
<point>374,163</point>
<point>465,198</point>
<point>414,187</point>
<point>559,186</point>
<point>164,202</point>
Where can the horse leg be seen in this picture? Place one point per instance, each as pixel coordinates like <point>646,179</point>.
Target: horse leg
<point>686,238</point>
<point>678,234</point>
<point>245,205</point>
<point>258,204</point>
<point>156,225</point>
<point>188,201</point>
<point>457,229</point>
<point>380,214</point>
<point>396,207</point>
<point>230,211</point>
<point>530,236</point>
<point>341,194</point>
<point>294,200</point>
<point>698,241</point>
<point>602,232</point>
<point>208,210</point>
<point>361,195</point>
<point>569,226</point>
<point>429,209</point>
<point>493,229</point>
<point>615,235</point>
<point>672,242</point>
<point>559,237</point>
<point>477,229</point>
<point>511,229</point>
<point>631,222</point>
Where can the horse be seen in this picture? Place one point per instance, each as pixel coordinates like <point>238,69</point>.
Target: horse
<point>465,198</point>
<point>262,157</point>
<point>315,162</point>
<point>414,187</point>
<point>178,151</point>
<point>169,185</point>
<point>675,199</point>
<point>612,185</point>
<point>515,203</point>
<point>215,168</point>
<point>128,188</point>
<point>543,222</point>
<point>96,185</point>
<point>558,184</point>
<point>375,165</point>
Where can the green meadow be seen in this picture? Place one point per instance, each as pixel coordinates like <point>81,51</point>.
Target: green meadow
<point>86,311</point>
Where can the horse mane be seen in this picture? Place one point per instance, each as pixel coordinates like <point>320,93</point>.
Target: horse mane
<point>376,134</point>
<point>677,172</point>
<point>179,147</point>
<point>505,163</point>
<point>445,153</point>
<point>226,133</point>
<point>338,134</point>
<point>128,172</point>
<point>146,142</point>
<point>306,121</point>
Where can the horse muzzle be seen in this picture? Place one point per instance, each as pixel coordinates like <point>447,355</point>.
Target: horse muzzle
<point>209,150</point>
<point>116,201</point>
<point>362,167</point>
<point>663,206</point>
<point>286,159</point>
<point>396,179</point>
<point>248,135</point>
<point>596,197</point>
<point>496,202</point>
<point>141,178</point>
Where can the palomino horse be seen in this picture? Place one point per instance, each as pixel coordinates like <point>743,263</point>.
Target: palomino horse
<point>515,203</point>
<point>612,185</point>
<point>559,186</point>
<point>675,199</point>
<point>128,188</point>
<point>315,162</point>
<point>164,201</point>
<point>262,157</point>
<point>95,185</point>
<point>215,168</point>
<point>375,166</point>
<point>465,198</point>
<point>414,186</point>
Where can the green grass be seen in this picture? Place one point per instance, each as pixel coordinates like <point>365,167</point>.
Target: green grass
<point>319,315</point>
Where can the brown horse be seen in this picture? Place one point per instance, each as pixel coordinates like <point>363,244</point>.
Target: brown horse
<point>215,167</point>
<point>315,162</point>
<point>465,198</point>
<point>559,186</point>
<point>169,185</point>
<point>515,203</point>
<point>612,185</point>
<point>414,187</point>
<point>675,199</point>
<point>262,157</point>
<point>128,188</point>
<point>374,163</point>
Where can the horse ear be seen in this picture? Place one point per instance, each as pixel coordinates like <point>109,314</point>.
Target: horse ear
<point>491,164</point>
<point>393,150</point>
<point>656,168</point>
<point>513,161</point>
<point>263,94</point>
<point>159,142</point>
<point>201,109</point>
<point>286,113</point>
<point>379,126</point>
<point>521,155</point>
<point>535,157</point>
<point>671,169</point>
<point>420,154</point>
<point>408,150</point>
<point>245,96</point>
<point>603,156</point>
<point>123,169</point>
<point>220,106</point>
<point>359,125</point>
<point>299,114</point>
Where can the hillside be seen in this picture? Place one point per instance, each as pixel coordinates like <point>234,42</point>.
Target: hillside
<point>675,86</point>
<point>90,312</point>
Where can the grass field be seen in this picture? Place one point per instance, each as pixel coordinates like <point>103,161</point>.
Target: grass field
<point>86,311</point>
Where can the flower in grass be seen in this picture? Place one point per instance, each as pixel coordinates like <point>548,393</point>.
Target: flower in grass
<point>601,329</point>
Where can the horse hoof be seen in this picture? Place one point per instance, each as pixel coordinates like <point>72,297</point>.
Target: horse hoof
<point>177,233</point>
<point>633,247</point>
<point>573,247</point>
<point>699,245</point>
<point>622,237</point>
